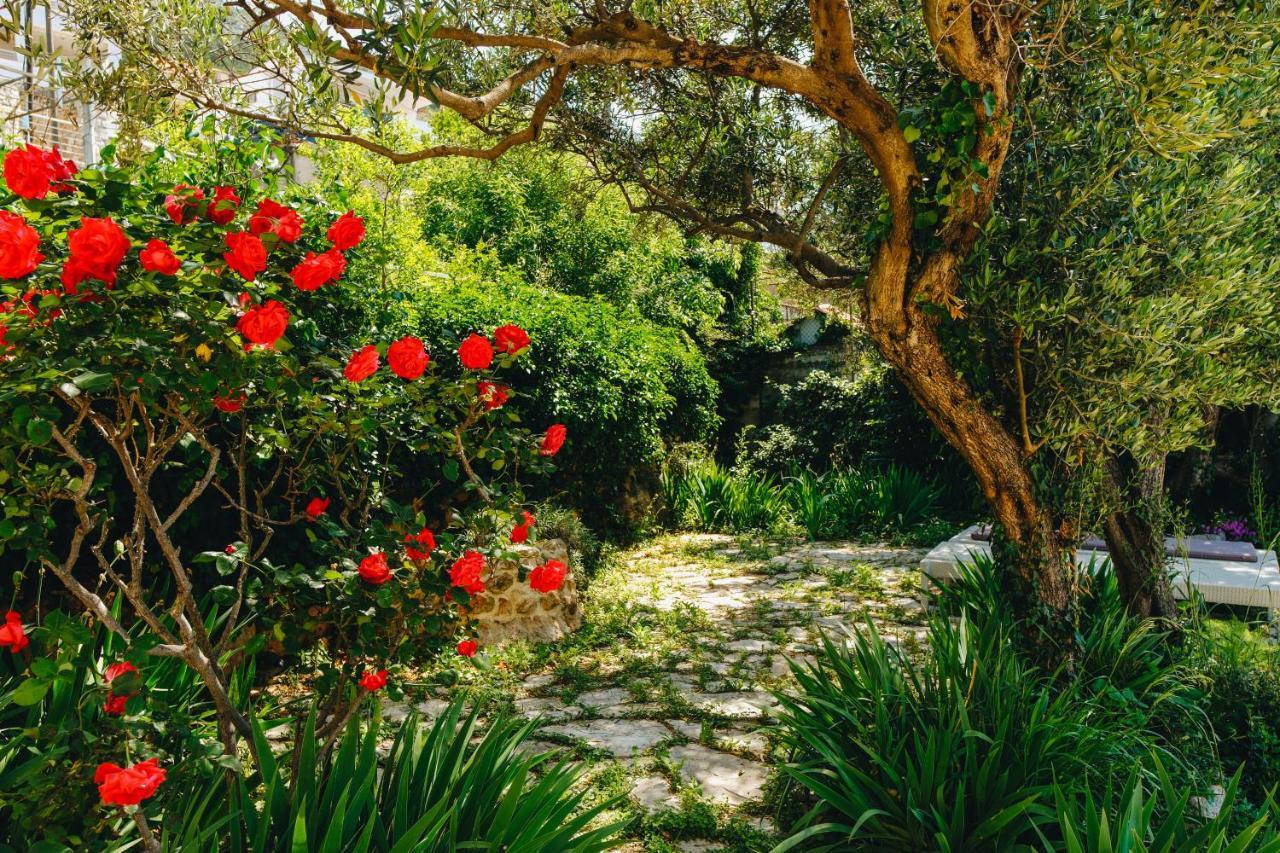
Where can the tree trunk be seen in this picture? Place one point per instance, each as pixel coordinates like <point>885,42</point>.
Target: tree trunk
<point>1034,555</point>
<point>1135,541</point>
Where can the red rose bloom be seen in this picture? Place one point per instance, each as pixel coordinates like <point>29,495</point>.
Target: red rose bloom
<point>372,681</point>
<point>115,706</point>
<point>362,364</point>
<point>223,206</point>
<point>12,634</point>
<point>19,246</point>
<point>408,358</point>
<point>118,669</point>
<point>26,171</point>
<point>520,533</point>
<point>467,648</point>
<point>346,232</point>
<point>158,257</point>
<point>315,271</point>
<point>274,218</point>
<point>128,786</point>
<point>548,577</point>
<point>553,440</point>
<point>425,541</point>
<point>229,404</point>
<point>60,170</point>
<point>264,324</point>
<point>97,247</point>
<point>476,352</point>
<point>510,339</point>
<point>182,203</point>
<point>374,569</point>
<point>466,572</point>
<point>247,255</point>
<point>317,507</point>
<point>493,396</point>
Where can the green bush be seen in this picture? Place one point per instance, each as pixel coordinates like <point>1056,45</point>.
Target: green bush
<point>624,387</point>
<point>441,788</point>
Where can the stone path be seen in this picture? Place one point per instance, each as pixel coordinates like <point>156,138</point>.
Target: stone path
<point>667,692</point>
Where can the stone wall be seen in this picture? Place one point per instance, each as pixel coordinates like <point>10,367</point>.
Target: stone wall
<point>509,610</point>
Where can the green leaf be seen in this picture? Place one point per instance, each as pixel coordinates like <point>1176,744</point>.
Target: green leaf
<point>39,431</point>
<point>911,134</point>
<point>30,692</point>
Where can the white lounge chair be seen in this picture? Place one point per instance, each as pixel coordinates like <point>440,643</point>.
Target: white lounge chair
<point>1219,581</point>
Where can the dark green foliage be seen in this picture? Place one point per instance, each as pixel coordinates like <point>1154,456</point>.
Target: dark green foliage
<point>624,387</point>
<point>827,421</point>
<point>1242,700</point>
<point>971,748</point>
<point>437,790</point>
<point>837,504</point>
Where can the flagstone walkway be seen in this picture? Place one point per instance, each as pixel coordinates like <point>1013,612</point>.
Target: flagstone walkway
<point>667,692</point>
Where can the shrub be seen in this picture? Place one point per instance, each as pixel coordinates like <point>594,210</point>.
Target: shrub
<point>625,388</point>
<point>958,751</point>
<point>181,438</point>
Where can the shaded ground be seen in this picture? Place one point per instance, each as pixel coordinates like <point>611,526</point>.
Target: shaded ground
<point>666,691</point>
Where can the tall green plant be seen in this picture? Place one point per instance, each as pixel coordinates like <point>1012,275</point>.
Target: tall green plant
<point>442,788</point>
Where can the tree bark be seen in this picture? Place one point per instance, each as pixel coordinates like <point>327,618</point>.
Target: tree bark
<point>1038,561</point>
<point>1135,541</point>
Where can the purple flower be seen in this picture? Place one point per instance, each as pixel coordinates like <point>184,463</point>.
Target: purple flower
<point>1233,530</point>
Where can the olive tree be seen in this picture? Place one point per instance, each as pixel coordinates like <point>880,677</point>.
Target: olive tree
<point>866,143</point>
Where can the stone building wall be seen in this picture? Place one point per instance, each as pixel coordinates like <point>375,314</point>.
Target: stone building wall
<point>509,610</point>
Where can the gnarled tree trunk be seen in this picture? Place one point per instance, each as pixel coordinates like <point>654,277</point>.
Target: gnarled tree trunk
<point>1135,541</point>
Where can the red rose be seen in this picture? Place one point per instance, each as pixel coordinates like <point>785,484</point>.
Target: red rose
<point>158,257</point>
<point>19,246</point>
<point>26,171</point>
<point>466,572</point>
<point>520,533</point>
<point>408,358</point>
<point>97,247</point>
<point>60,170</point>
<point>346,232</point>
<point>548,577</point>
<point>247,256</point>
<point>553,440</point>
<point>115,706</point>
<point>476,352</point>
<point>372,681</point>
<point>317,507</point>
<point>362,364</point>
<point>426,542</point>
<point>128,786</point>
<point>12,634</point>
<point>374,569</point>
<point>223,206</point>
<point>510,339</point>
<point>229,404</point>
<point>118,669</point>
<point>492,395</point>
<point>182,203</point>
<point>274,218</point>
<point>263,324</point>
<point>467,648</point>
<point>314,271</point>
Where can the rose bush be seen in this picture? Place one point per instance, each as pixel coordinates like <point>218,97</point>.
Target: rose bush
<point>213,465</point>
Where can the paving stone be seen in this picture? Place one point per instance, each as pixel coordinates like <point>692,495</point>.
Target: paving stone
<point>432,708</point>
<point>548,709</point>
<point>754,742</point>
<point>750,646</point>
<point>698,845</point>
<point>604,698</point>
<point>630,710</point>
<point>741,705</point>
<point>620,738</point>
<point>653,793</point>
<point>541,681</point>
<point>690,729</point>
<point>723,777</point>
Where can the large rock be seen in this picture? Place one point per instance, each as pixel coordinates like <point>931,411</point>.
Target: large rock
<point>509,610</point>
